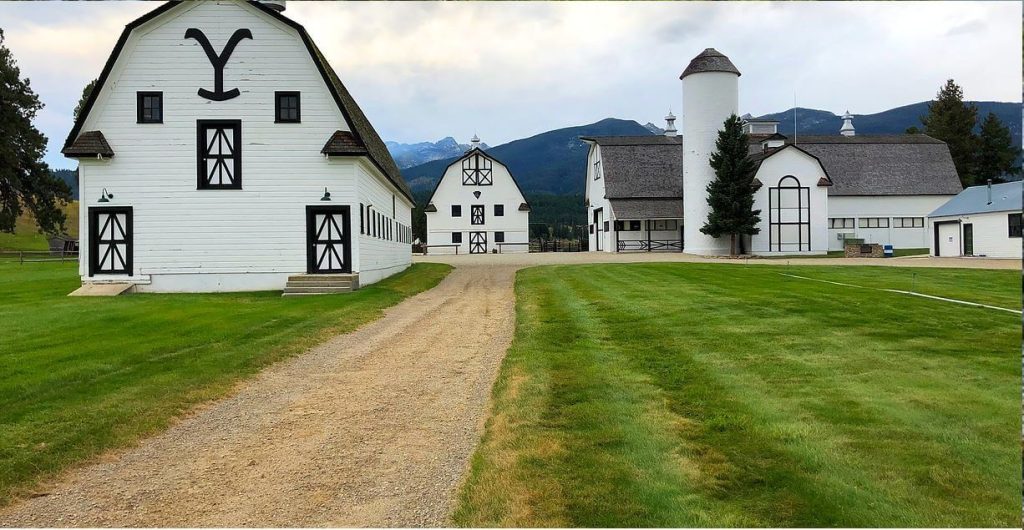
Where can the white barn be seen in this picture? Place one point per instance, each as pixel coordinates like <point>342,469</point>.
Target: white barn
<point>813,191</point>
<point>477,207</point>
<point>980,221</point>
<point>219,151</point>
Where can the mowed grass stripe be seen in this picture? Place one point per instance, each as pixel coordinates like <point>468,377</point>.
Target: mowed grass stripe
<point>742,398</point>
<point>79,376</point>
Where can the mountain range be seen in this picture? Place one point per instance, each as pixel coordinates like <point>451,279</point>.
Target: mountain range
<point>408,155</point>
<point>554,162</point>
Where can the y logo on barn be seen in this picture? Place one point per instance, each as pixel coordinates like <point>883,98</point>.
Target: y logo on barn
<point>218,61</point>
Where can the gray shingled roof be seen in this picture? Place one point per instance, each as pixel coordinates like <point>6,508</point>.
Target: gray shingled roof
<point>709,60</point>
<point>648,208</point>
<point>89,143</point>
<point>343,143</point>
<point>1006,197</point>
<point>641,166</point>
<point>884,165</point>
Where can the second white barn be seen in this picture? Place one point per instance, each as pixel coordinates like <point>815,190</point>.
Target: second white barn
<point>980,221</point>
<point>477,207</point>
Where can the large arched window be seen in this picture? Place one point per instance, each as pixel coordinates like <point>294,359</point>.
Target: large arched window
<point>476,170</point>
<point>789,216</point>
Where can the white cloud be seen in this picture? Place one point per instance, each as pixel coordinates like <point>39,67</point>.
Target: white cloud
<point>422,71</point>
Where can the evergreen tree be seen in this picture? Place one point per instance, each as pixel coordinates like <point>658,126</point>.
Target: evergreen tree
<point>912,130</point>
<point>951,120</point>
<point>86,92</point>
<point>997,156</point>
<point>731,193</point>
<point>25,179</point>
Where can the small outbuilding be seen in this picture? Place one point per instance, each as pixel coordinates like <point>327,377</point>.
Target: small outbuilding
<point>980,221</point>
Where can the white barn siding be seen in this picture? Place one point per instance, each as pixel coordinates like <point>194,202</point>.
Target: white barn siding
<point>245,239</point>
<point>808,171</point>
<point>596,195</point>
<point>888,207</point>
<point>991,235</point>
<point>382,256</point>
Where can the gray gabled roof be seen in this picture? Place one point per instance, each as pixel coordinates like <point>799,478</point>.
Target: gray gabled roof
<point>636,167</point>
<point>1006,197</point>
<point>89,144</point>
<point>648,208</point>
<point>905,164</point>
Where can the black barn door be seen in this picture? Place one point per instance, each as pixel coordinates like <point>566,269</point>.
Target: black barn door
<point>328,240</point>
<point>968,239</point>
<point>110,240</point>
<point>478,242</point>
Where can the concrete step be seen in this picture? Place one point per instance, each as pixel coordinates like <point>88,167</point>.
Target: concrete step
<point>316,290</point>
<point>320,277</point>
<point>320,283</point>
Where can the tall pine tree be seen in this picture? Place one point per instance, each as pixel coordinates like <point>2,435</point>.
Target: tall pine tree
<point>731,193</point>
<point>25,179</point>
<point>951,120</point>
<point>997,156</point>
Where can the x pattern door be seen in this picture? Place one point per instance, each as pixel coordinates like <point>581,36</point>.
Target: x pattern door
<point>329,240</point>
<point>110,241</point>
<point>478,242</point>
<point>220,154</point>
<point>476,214</point>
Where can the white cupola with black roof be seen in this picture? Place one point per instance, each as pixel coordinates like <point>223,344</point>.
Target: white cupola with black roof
<point>233,158</point>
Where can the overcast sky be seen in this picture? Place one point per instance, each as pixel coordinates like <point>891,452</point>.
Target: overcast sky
<point>423,71</point>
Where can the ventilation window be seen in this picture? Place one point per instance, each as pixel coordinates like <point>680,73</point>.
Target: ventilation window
<point>286,107</point>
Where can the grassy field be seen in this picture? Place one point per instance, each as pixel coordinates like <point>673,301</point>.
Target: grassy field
<point>82,375</point>
<point>26,234</point>
<point>721,395</point>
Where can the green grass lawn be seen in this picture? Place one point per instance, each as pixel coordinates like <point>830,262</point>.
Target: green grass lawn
<point>82,375</point>
<point>724,395</point>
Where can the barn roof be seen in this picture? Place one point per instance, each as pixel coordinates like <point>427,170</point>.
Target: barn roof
<point>648,208</point>
<point>89,144</point>
<point>636,167</point>
<point>343,143</point>
<point>709,60</point>
<point>1006,197</point>
<point>908,164</point>
<point>362,130</point>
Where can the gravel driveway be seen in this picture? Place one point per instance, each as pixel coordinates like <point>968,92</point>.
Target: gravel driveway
<point>373,428</point>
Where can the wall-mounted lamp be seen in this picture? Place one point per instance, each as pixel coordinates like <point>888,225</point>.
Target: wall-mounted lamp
<point>105,197</point>
<point>327,195</point>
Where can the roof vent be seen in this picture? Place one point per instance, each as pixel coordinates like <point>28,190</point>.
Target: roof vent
<point>847,129</point>
<point>670,127</point>
<point>276,5</point>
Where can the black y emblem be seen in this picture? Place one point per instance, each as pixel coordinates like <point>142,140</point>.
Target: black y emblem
<point>218,61</point>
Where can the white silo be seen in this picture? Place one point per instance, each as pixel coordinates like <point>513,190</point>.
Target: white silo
<point>710,95</point>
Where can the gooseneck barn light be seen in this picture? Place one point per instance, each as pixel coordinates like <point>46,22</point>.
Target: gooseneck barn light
<point>105,197</point>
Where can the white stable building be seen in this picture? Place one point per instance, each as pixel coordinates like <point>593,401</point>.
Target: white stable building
<point>477,207</point>
<point>980,221</point>
<point>219,151</point>
<point>648,193</point>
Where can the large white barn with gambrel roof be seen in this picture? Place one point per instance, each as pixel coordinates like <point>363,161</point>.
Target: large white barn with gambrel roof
<point>219,151</point>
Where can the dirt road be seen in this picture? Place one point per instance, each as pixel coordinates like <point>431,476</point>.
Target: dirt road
<point>373,428</point>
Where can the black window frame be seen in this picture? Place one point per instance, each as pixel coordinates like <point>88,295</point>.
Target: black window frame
<point>140,107</point>
<point>499,237</point>
<point>1011,232</point>
<point>456,238</point>
<point>456,210</point>
<point>499,210</point>
<point>477,214</point>
<point>201,127</point>
<point>278,96</point>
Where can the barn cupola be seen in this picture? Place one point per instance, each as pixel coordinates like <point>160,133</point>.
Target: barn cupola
<point>474,142</point>
<point>276,5</point>
<point>847,129</point>
<point>670,124</point>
